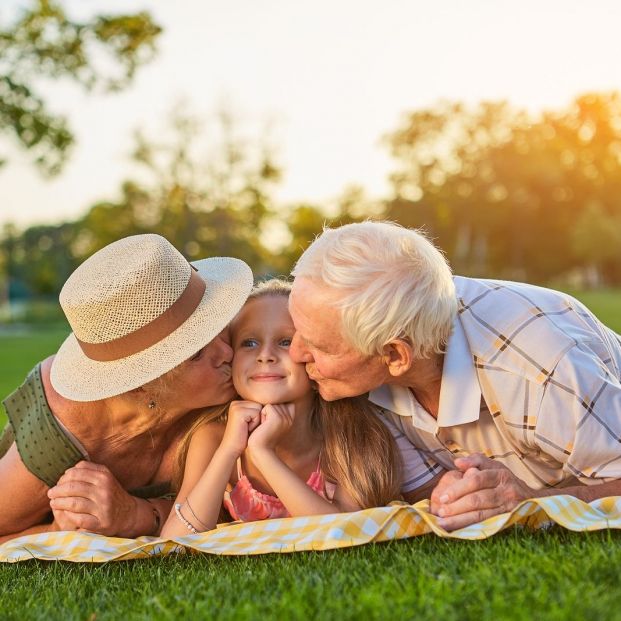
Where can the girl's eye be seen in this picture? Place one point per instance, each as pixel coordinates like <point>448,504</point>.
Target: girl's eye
<point>249,343</point>
<point>285,342</point>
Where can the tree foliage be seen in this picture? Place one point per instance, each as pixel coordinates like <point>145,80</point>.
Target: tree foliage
<point>215,204</point>
<point>44,42</point>
<point>506,194</point>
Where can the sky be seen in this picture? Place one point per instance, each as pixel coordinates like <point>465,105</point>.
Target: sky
<point>330,78</point>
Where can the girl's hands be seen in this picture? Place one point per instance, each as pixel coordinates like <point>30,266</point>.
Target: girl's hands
<point>243,418</point>
<point>275,421</point>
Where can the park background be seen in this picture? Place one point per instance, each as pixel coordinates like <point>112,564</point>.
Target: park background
<point>242,128</point>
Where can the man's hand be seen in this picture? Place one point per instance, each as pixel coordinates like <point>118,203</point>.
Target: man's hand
<point>477,490</point>
<point>88,497</point>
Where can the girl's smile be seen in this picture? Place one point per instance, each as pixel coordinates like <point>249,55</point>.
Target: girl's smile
<point>262,368</point>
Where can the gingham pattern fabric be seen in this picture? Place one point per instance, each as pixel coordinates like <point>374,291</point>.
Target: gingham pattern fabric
<point>325,532</point>
<point>531,379</point>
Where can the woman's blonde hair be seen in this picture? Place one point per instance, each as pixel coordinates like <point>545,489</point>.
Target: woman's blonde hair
<point>358,451</point>
<point>392,283</point>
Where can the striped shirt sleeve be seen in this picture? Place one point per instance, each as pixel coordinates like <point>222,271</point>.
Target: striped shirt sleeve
<point>418,468</point>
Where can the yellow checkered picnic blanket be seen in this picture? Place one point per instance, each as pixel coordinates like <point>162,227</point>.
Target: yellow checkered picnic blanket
<point>325,532</point>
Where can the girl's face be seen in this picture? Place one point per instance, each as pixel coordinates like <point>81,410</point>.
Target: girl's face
<point>262,369</point>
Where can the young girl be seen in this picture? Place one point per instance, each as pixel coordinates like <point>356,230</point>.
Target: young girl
<point>282,450</point>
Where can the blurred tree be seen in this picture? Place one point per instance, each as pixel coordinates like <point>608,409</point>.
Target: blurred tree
<point>107,221</point>
<point>304,222</point>
<point>217,208</point>
<point>7,245</point>
<point>43,42</point>
<point>353,205</point>
<point>504,193</point>
<point>220,208</point>
<point>597,242</point>
<point>39,259</point>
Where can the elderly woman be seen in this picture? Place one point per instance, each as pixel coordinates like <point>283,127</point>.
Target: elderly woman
<point>93,430</point>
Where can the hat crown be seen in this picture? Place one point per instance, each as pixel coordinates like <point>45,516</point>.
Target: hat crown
<point>123,287</point>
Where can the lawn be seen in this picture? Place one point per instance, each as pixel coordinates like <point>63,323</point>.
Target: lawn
<point>21,347</point>
<point>515,575</point>
<point>518,574</point>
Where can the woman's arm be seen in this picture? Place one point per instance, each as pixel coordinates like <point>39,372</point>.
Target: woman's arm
<point>295,494</point>
<point>26,507</point>
<point>33,530</point>
<point>24,498</point>
<point>209,465</point>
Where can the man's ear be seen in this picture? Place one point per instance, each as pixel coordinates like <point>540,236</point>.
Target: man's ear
<point>398,357</point>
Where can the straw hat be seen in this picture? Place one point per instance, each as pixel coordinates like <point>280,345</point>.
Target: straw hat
<point>137,309</point>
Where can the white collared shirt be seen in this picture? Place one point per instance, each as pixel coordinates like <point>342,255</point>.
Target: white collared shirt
<point>530,378</point>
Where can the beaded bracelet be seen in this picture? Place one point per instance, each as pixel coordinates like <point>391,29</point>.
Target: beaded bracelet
<point>203,525</point>
<point>185,522</point>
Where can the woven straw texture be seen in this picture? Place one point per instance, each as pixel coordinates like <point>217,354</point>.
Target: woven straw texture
<point>125,286</point>
<point>100,296</point>
<point>325,532</point>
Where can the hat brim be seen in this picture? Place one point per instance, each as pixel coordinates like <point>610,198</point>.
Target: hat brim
<point>77,377</point>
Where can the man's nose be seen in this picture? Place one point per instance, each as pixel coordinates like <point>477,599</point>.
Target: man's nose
<point>297,350</point>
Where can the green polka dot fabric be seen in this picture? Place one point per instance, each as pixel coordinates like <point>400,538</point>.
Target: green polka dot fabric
<point>6,439</point>
<point>43,446</point>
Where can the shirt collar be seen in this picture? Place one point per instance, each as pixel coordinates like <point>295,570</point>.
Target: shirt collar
<point>460,393</point>
<point>401,401</point>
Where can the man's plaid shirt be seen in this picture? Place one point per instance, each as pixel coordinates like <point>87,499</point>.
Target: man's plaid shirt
<point>530,378</point>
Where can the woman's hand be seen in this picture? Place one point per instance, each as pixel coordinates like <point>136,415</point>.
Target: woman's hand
<point>276,420</point>
<point>65,520</point>
<point>243,418</point>
<point>88,497</point>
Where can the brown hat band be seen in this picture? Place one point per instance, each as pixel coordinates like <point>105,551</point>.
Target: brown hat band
<point>153,332</point>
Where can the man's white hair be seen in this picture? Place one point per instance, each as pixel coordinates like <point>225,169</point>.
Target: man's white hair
<point>390,283</point>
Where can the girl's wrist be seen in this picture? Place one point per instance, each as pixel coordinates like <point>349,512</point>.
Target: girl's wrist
<point>227,452</point>
<point>260,453</point>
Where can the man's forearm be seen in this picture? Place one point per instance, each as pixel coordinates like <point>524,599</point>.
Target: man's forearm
<point>586,493</point>
<point>422,492</point>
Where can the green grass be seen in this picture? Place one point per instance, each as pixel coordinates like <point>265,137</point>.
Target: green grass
<point>20,348</point>
<point>606,304</point>
<point>518,574</point>
<point>555,575</point>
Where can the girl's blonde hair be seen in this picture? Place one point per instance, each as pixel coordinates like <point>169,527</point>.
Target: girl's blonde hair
<point>358,451</point>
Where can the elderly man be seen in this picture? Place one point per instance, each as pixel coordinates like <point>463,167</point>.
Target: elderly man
<point>513,388</point>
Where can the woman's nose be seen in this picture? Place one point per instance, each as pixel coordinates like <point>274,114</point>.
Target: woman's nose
<point>225,351</point>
